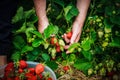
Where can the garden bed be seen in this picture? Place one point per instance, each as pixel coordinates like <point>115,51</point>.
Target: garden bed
<point>96,53</point>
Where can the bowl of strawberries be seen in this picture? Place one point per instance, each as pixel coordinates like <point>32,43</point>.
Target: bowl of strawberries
<point>26,70</point>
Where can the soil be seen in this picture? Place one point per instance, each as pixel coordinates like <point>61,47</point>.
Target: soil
<point>74,74</point>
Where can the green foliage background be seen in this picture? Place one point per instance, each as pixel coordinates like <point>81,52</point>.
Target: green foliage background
<point>99,44</point>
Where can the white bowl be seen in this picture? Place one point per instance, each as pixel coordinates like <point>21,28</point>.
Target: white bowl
<point>32,64</point>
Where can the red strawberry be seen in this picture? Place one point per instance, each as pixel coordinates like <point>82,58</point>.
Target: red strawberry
<point>10,79</point>
<point>23,64</point>
<point>58,49</point>
<point>32,70</point>
<point>66,68</point>
<point>20,70</point>
<point>9,66</point>
<point>33,77</point>
<point>39,68</point>
<point>49,78</point>
<point>40,76</point>
<point>7,73</point>
<point>16,78</point>
<point>110,74</point>
<point>28,75</point>
<point>69,35</point>
<point>57,44</point>
<point>53,40</point>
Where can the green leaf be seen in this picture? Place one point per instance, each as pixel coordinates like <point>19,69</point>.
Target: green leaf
<point>115,42</point>
<point>87,55</point>
<point>18,42</point>
<point>73,47</point>
<point>86,44</point>
<point>67,9</point>
<point>33,19</point>
<point>37,42</point>
<point>31,57</point>
<point>26,49</point>
<point>83,65</point>
<point>52,64</point>
<point>51,29</point>
<point>19,15</point>
<point>108,26</point>
<point>109,10</point>
<point>30,24</point>
<point>64,55</point>
<point>70,11</point>
<point>60,2</point>
<point>29,13</point>
<point>16,56</point>
<point>38,34</point>
<point>72,57</point>
<point>22,29</point>
<point>93,36</point>
<point>27,32</point>
<point>115,19</point>
<point>46,57</point>
<point>74,11</point>
<point>36,51</point>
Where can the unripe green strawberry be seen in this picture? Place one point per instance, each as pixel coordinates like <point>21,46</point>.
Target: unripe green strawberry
<point>96,67</point>
<point>104,44</point>
<point>100,33</point>
<point>98,20</point>
<point>46,45</point>
<point>61,42</point>
<point>102,71</point>
<point>53,53</point>
<point>90,71</point>
<point>107,29</point>
<point>113,12</point>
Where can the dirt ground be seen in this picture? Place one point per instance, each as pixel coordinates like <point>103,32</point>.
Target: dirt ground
<point>78,75</point>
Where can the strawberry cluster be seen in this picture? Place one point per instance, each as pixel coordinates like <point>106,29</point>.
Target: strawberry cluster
<point>21,71</point>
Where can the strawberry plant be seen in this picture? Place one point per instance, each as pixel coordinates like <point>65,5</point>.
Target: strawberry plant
<point>97,51</point>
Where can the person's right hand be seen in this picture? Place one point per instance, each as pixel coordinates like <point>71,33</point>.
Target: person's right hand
<point>76,33</point>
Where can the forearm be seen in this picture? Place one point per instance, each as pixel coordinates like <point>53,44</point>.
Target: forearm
<point>82,6</point>
<point>40,7</point>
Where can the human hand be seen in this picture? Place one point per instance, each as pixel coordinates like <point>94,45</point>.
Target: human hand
<point>42,24</point>
<point>75,36</point>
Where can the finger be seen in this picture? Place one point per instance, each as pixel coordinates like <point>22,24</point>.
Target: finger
<point>66,39</point>
<point>77,39</point>
<point>66,46</point>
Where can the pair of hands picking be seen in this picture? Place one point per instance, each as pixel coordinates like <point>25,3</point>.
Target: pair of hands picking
<point>71,37</point>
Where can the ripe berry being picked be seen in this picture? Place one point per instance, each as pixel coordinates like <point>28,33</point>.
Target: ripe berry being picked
<point>69,35</point>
